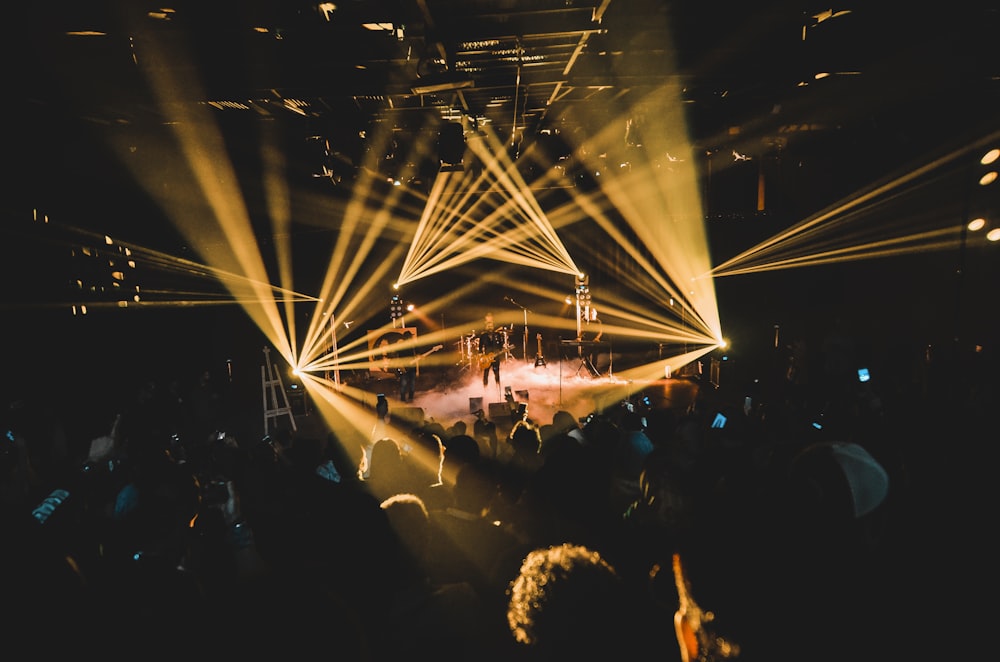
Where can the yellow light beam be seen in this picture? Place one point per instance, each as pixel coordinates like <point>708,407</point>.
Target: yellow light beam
<point>900,180</point>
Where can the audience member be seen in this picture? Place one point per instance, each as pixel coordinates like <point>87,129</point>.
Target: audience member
<point>630,449</point>
<point>525,443</point>
<point>636,529</point>
<point>567,497</point>
<point>567,602</point>
<point>442,620</point>
<point>562,423</point>
<point>485,432</point>
<point>467,544</point>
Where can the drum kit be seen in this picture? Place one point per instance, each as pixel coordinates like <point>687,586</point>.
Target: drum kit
<point>468,346</point>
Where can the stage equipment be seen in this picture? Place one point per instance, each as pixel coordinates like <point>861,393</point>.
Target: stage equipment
<point>539,359</point>
<point>525,341</point>
<point>584,359</point>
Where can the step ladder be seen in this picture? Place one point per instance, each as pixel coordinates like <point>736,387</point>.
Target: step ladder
<point>272,386</point>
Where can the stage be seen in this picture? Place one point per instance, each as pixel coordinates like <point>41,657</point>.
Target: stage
<point>448,395</point>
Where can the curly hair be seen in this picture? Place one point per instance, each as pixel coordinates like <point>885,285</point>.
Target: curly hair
<point>565,598</point>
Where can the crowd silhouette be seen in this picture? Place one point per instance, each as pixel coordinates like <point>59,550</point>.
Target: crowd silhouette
<point>640,530</point>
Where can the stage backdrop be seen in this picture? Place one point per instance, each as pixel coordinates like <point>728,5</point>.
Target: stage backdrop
<point>380,344</point>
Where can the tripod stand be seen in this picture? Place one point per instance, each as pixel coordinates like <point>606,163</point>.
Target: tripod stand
<point>585,364</point>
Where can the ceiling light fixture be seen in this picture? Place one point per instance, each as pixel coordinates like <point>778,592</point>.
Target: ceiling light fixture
<point>433,84</point>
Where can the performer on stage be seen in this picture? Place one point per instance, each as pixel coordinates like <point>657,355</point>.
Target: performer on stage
<point>406,368</point>
<point>491,347</point>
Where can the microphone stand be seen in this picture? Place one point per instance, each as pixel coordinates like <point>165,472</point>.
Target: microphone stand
<point>525,341</point>
<point>561,353</point>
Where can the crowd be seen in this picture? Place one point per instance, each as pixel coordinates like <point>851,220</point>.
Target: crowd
<point>787,533</point>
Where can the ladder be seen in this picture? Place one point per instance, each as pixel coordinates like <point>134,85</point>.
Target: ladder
<point>271,385</point>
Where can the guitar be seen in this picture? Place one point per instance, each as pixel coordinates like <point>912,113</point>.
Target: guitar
<point>417,358</point>
<point>539,359</point>
<point>486,359</point>
<point>427,353</point>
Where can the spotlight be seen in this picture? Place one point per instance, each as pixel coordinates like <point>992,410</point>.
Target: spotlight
<point>395,308</point>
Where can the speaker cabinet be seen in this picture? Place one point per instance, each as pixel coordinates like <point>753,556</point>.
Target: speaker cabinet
<point>499,411</point>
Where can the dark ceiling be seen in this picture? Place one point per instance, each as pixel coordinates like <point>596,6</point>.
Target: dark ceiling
<point>902,81</point>
<point>901,77</point>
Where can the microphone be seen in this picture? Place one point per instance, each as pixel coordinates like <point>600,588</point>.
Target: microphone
<point>507,299</point>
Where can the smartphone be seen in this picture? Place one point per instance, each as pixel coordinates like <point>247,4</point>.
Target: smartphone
<point>719,421</point>
<point>863,375</point>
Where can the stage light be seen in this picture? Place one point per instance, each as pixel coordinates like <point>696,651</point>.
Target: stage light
<point>989,158</point>
<point>395,308</point>
<point>980,220</point>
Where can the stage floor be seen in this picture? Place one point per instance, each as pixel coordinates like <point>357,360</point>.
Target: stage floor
<point>447,396</point>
